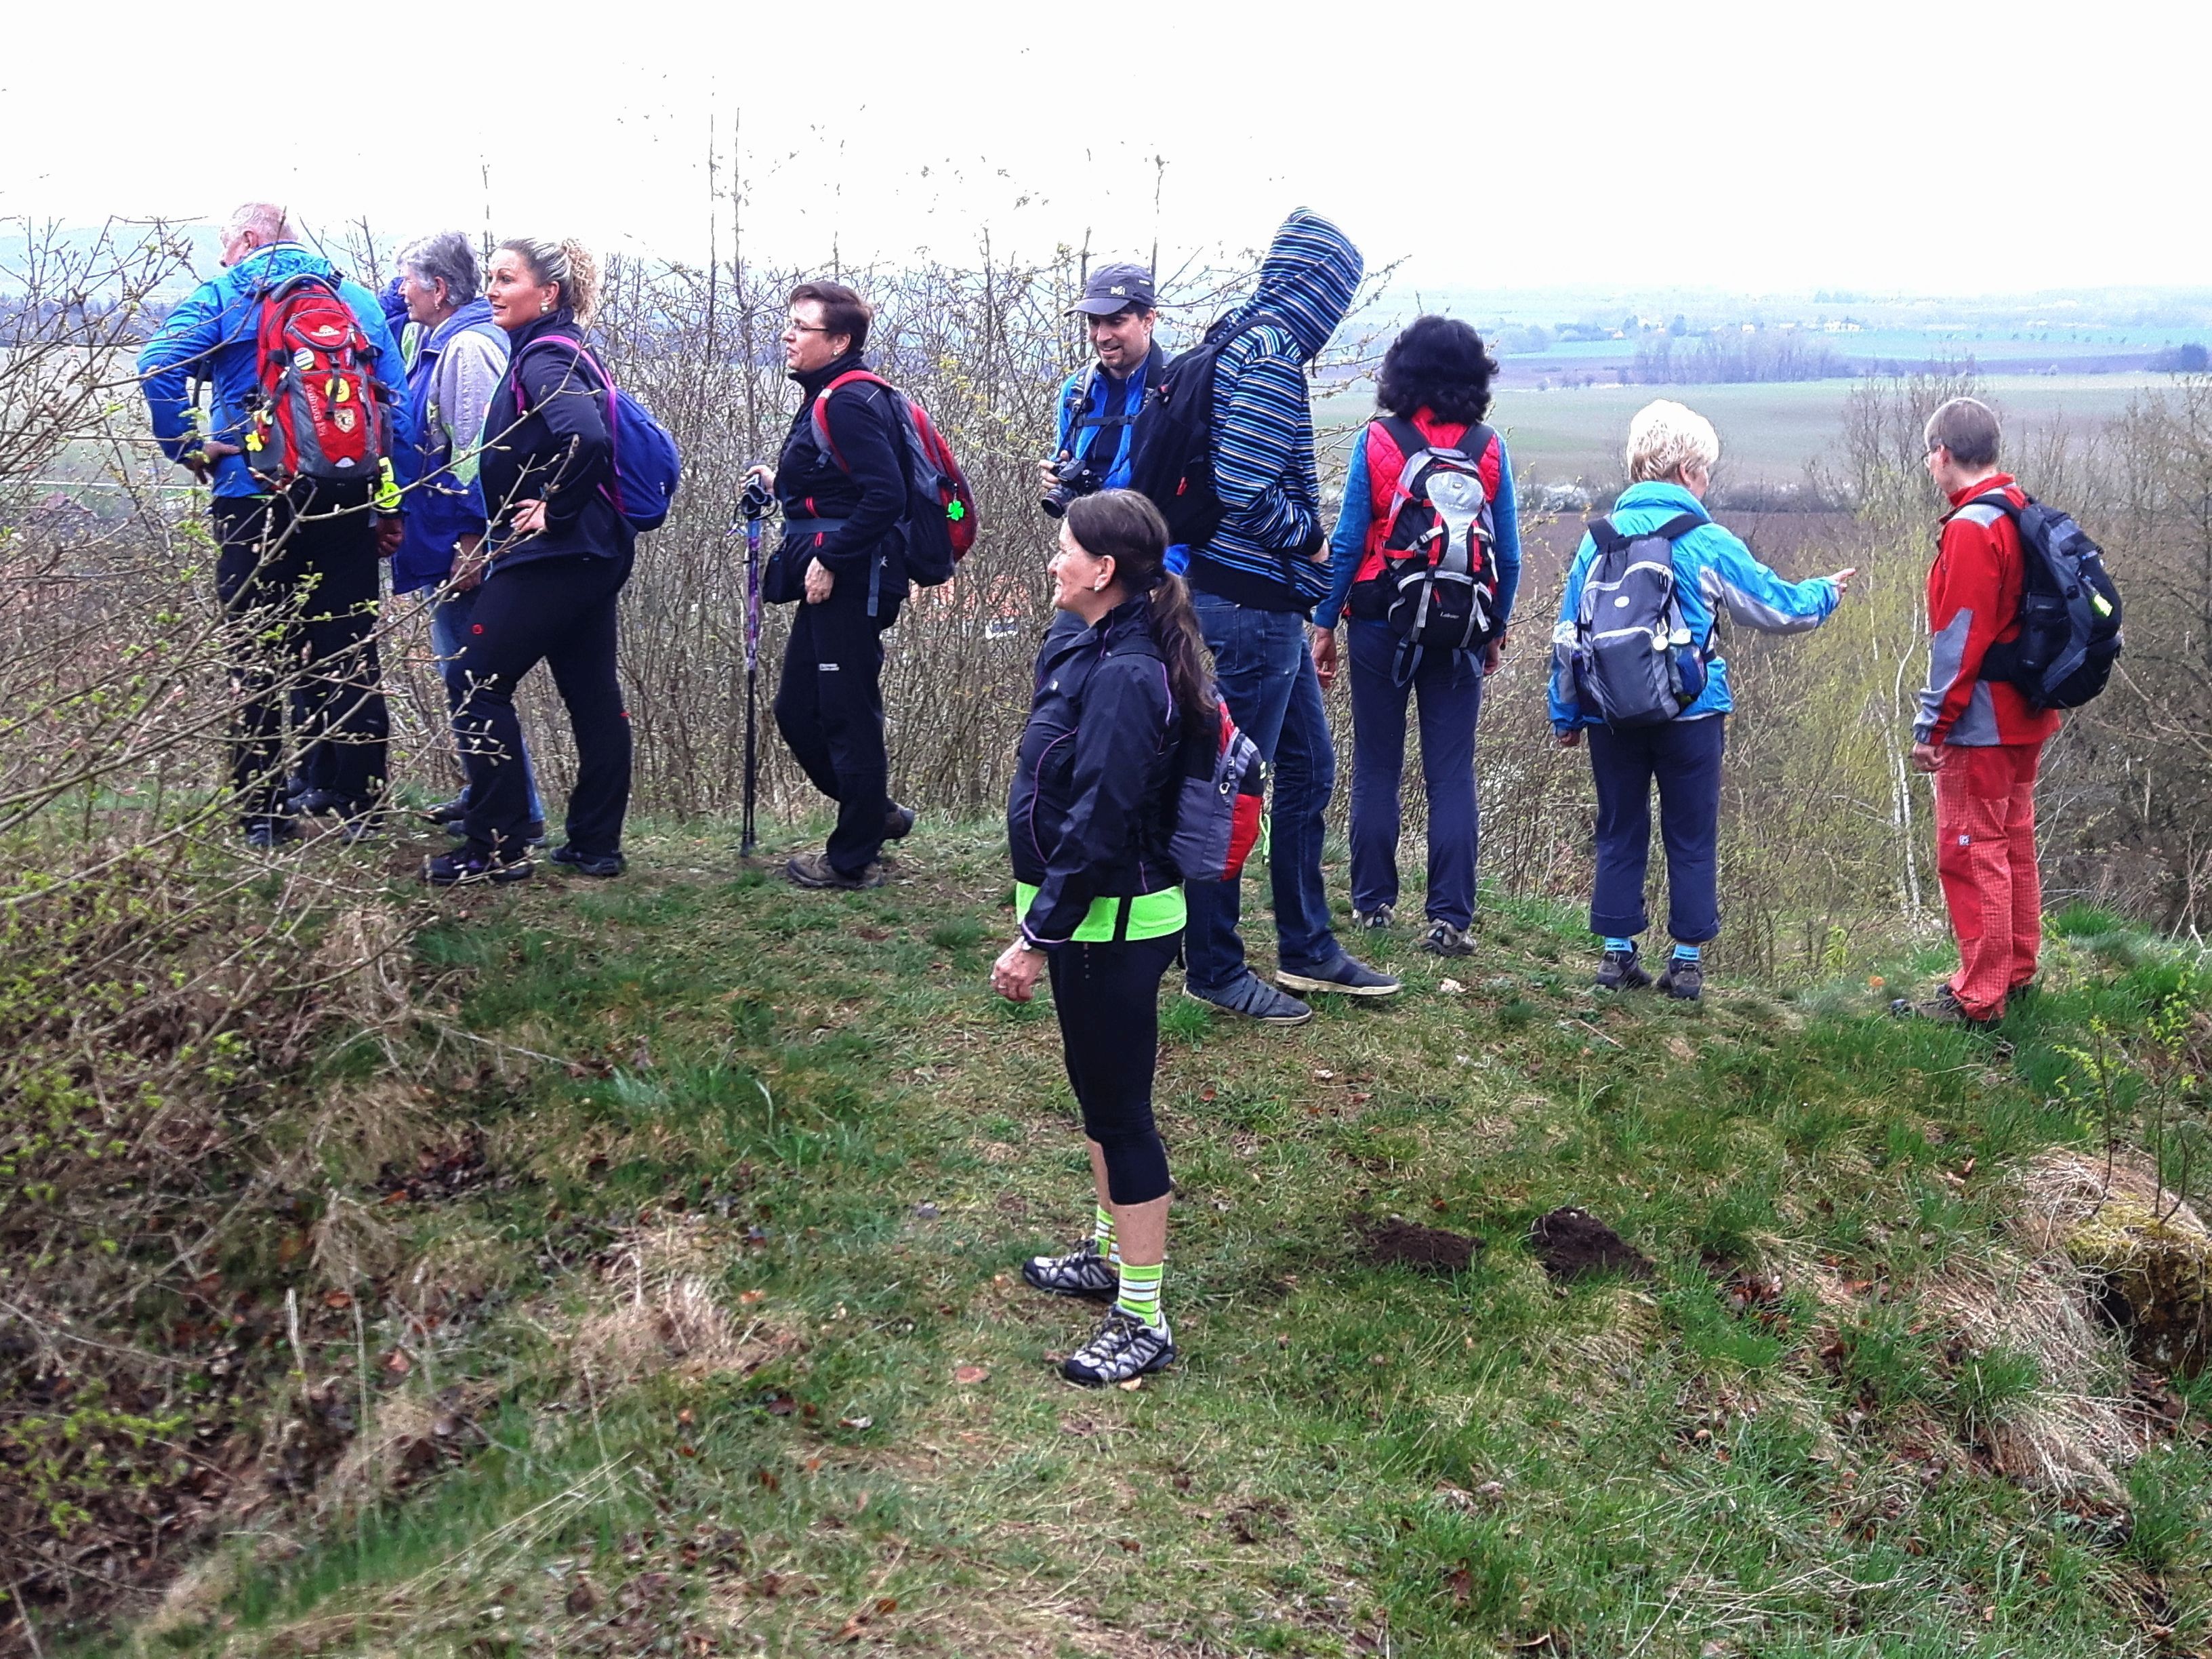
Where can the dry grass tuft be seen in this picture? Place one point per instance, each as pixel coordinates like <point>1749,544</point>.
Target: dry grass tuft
<point>666,1313</point>
<point>2077,1427</point>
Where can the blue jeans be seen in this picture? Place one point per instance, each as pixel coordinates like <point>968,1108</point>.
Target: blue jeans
<point>450,621</point>
<point>1264,674</point>
<point>1683,758</point>
<point>1450,686</point>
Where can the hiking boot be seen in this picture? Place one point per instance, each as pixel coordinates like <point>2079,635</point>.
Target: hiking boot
<point>1683,979</point>
<point>462,870</point>
<point>815,870</point>
<point>1346,977</point>
<point>267,834</point>
<point>1125,1347</point>
<point>1621,971</point>
<point>1081,1271</point>
<point>605,865</point>
<point>1254,998</point>
<point>447,812</point>
<point>1375,920</point>
<point>898,824</point>
<point>1944,1008</point>
<point>1446,940</point>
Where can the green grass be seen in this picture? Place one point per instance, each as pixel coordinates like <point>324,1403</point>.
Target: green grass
<point>809,1104</point>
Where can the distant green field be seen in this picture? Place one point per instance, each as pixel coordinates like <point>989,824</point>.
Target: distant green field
<point>1767,431</point>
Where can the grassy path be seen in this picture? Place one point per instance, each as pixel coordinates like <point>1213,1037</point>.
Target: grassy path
<point>729,1355</point>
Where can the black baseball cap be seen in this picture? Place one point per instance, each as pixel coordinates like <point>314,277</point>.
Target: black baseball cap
<point>1115,288</point>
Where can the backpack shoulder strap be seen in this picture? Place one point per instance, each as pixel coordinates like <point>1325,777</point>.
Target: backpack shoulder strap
<point>827,444</point>
<point>1604,537</point>
<point>1677,527</point>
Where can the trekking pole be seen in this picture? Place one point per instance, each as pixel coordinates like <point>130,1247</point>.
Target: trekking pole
<point>754,504</point>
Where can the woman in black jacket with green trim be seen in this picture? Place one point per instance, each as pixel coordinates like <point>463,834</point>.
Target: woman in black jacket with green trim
<point>554,561</point>
<point>1101,907</point>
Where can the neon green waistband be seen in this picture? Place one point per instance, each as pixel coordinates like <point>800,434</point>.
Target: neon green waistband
<point>1151,915</point>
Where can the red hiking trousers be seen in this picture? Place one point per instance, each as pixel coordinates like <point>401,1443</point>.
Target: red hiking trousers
<point>1985,855</point>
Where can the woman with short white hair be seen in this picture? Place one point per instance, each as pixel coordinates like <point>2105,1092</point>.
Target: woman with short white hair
<point>1634,663</point>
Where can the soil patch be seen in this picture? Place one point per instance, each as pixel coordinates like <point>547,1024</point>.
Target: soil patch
<point>1574,1244</point>
<point>1395,1243</point>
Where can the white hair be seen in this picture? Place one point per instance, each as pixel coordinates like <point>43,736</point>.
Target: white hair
<point>265,219</point>
<point>1665,437</point>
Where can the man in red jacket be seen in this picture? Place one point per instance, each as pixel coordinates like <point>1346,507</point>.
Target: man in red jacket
<point>1980,737</point>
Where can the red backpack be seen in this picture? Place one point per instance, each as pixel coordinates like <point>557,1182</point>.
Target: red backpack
<point>320,412</point>
<point>940,515</point>
<point>1219,811</point>
<point>1429,569</point>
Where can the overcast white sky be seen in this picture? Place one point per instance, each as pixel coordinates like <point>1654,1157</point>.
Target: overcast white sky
<point>1745,147</point>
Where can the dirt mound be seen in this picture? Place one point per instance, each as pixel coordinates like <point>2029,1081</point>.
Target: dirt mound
<point>1396,1244</point>
<point>1572,1244</point>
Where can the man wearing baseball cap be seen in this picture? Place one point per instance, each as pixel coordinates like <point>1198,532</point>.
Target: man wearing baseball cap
<point>1099,402</point>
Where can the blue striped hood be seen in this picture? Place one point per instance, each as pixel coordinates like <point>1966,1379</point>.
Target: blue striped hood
<point>1307,280</point>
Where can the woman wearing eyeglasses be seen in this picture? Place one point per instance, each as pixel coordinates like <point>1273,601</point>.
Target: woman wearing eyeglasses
<point>841,561</point>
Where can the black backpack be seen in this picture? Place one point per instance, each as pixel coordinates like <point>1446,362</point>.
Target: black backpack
<point>1635,662</point>
<point>2069,610</point>
<point>1173,464</point>
<point>1434,579</point>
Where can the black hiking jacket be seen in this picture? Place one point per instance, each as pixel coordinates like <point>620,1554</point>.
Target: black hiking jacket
<point>556,450</point>
<point>1086,817</point>
<point>868,493</point>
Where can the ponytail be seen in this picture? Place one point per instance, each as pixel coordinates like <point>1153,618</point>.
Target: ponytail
<point>1125,528</point>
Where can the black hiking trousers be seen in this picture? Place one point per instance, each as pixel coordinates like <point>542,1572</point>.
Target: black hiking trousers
<point>829,707</point>
<point>297,574</point>
<point>561,612</point>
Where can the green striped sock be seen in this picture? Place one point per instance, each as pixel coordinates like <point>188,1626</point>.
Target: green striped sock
<point>1102,1233</point>
<point>1140,1293</point>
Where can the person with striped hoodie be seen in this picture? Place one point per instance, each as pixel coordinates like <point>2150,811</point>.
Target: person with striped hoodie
<point>1253,584</point>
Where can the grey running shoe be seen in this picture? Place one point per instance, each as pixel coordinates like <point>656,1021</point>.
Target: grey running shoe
<point>1254,998</point>
<point>1446,940</point>
<point>1081,1271</point>
<point>1125,1347</point>
<point>1944,1008</point>
<point>1683,979</point>
<point>1346,977</point>
<point>1375,920</point>
<point>1621,971</point>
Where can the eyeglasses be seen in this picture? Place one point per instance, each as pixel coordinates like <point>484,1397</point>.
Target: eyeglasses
<point>805,328</point>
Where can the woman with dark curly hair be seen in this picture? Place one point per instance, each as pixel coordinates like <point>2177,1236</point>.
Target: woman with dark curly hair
<point>1427,554</point>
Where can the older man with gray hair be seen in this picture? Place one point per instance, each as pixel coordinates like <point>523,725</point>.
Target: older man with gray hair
<point>458,356</point>
<point>1660,524</point>
<point>299,543</point>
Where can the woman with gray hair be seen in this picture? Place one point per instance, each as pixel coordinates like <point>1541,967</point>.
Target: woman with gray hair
<point>457,356</point>
<point>1634,664</point>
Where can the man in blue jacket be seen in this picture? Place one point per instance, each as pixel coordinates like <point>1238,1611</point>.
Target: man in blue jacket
<point>1252,585</point>
<point>307,580</point>
<point>1099,402</point>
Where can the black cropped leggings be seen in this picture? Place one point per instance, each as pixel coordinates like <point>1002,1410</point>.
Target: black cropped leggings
<point>1108,999</point>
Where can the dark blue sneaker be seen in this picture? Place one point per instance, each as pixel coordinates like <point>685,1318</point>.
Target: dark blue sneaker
<point>1621,972</point>
<point>603,865</point>
<point>1254,998</point>
<point>1345,978</point>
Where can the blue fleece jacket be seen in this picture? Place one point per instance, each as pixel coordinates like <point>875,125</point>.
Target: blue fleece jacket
<point>210,336</point>
<point>1263,443</point>
<point>1349,543</point>
<point>456,367</point>
<point>1712,570</point>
